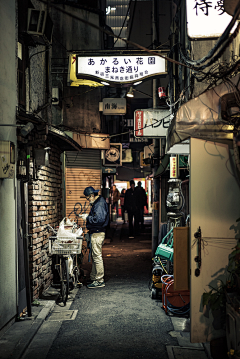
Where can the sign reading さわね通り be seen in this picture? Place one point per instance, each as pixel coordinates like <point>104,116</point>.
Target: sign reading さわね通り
<point>151,123</point>
<point>120,69</point>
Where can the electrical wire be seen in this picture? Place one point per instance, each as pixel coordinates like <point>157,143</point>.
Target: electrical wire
<point>130,30</point>
<point>134,44</point>
<point>123,22</point>
<point>221,40</point>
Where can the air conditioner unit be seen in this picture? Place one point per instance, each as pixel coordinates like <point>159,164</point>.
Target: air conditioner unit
<point>127,155</point>
<point>148,151</point>
<point>40,26</point>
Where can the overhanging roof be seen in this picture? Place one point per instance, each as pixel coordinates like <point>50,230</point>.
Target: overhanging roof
<point>201,116</point>
<point>65,142</point>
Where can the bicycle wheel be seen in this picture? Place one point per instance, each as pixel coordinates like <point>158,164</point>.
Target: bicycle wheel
<point>75,271</point>
<point>64,279</point>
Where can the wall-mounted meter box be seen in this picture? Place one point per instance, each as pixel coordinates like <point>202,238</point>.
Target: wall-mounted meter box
<point>7,159</point>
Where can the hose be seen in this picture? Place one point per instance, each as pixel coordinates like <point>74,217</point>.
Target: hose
<point>170,307</point>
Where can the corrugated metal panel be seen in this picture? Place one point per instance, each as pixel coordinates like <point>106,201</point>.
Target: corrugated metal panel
<point>87,158</point>
<point>77,179</point>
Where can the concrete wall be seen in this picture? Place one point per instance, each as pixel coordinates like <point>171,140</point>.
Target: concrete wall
<point>80,107</point>
<point>8,258</point>
<point>214,206</point>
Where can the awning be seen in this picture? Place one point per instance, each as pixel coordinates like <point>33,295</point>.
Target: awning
<point>201,117</point>
<point>65,142</point>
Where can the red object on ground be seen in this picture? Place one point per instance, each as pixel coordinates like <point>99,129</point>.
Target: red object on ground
<point>178,298</point>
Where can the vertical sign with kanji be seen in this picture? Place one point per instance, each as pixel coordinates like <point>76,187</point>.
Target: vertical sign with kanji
<point>138,123</point>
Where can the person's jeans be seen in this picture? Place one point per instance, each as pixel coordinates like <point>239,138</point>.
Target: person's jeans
<point>97,272</point>
<point>141,216</point>
<point>122,212</point>
<point>133,230</point>
<point>115,205</point>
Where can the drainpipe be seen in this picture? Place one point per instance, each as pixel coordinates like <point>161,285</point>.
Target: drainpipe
<point>155,212</point>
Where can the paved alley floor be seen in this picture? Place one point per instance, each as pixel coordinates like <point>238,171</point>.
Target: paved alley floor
<point>119,321</point>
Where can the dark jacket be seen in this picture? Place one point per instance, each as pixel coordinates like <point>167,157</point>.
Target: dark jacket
<point>116,195</point>
<point>141,197</point>
<point>130,200</point>
<point>98,217</point>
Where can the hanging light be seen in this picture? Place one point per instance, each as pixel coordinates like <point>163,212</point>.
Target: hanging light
<point>130,92</point>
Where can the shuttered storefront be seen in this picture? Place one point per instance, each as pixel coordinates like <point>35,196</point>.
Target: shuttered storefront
<point>82,169</point>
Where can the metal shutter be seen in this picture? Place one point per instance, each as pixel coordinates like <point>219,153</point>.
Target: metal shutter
<point>87,158</point>
<point>82,169</point>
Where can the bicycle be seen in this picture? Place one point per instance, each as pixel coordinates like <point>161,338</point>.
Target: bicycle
<point>66,248</point>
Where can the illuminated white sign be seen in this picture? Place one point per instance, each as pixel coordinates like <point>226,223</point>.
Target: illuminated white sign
<point>206,18</point>
<point>151,123</point>
<point>120,69</point>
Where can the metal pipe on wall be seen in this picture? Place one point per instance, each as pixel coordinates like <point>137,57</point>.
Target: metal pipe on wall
<point>155,212</point>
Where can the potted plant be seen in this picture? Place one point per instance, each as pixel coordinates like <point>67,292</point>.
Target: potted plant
<point>234,266</point>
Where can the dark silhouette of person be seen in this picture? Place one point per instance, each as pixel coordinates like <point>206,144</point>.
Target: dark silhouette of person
<point>122,198</point>
<point>116,197</point>
<point>141,202</point>
<point>132,209</point>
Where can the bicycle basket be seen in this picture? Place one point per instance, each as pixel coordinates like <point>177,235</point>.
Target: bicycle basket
<point>66,245</point>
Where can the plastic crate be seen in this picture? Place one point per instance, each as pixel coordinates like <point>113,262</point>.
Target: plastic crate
<point>66,245</point>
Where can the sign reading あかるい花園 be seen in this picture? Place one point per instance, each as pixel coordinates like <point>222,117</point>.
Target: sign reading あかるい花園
<point>120,69</point>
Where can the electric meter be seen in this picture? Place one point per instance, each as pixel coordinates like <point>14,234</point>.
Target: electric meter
<point>7,159</point>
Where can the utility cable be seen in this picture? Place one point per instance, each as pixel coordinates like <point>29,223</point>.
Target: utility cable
<point>113,35</point>
<point>219,43</point>
<point>123,22</point>
<point>130,30</point>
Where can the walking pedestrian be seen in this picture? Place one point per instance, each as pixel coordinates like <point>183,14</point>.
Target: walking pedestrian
<point>122,197</point>
<point>96,223</point>
<point>116,197</point>
<point>141,201</point>
<point>131,207</point>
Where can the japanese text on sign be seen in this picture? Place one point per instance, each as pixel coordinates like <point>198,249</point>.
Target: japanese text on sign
<point>151,123</point>
<point>209,11</point>
<point>121,68</point>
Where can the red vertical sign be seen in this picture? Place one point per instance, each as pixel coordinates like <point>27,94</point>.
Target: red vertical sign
<point>138,123</point>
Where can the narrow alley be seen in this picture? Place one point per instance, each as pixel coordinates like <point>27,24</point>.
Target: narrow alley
<point>120,320</point>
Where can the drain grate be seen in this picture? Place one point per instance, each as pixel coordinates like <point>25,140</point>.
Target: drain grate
<point>63,315</point>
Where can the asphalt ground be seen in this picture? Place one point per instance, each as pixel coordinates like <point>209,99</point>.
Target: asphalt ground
<point>120,320</point>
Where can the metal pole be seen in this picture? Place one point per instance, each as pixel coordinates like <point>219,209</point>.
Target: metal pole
<point>155,212</point>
